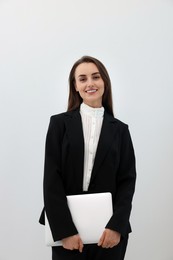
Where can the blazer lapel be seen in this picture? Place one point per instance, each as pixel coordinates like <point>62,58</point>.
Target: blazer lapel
<point>106,138</point>
<point>76,139</point>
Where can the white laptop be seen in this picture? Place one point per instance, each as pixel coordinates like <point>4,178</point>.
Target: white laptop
<point>90,214</point>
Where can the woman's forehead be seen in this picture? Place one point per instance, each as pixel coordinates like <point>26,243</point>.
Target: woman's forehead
<point>86,68</point>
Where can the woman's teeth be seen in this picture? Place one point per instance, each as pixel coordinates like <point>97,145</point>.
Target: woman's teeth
<point>91,91</point>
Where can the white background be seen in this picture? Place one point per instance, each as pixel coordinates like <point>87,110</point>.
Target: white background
<point>39,42</point>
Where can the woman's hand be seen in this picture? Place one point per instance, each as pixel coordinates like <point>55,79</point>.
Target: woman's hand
<point>109,238</point>
<point>73,242</point>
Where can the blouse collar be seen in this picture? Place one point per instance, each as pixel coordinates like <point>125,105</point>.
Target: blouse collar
<point>94,112</point>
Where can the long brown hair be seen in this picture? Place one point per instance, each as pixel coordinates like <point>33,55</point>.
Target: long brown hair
<point>75,99</point>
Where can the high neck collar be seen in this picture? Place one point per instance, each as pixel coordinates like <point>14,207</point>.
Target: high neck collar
<point>91,111</point>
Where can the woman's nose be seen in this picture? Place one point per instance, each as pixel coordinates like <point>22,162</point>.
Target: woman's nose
<point>90,82</point>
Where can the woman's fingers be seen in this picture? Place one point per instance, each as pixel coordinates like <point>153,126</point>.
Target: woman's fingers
<point>101,239</point>
<point>80,245</point>
<point>73,242</point>
<point>110,239</point>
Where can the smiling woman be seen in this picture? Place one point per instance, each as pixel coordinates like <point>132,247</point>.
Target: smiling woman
<point>89,72</point>
<point>89,84</point>
<point>88,151</point>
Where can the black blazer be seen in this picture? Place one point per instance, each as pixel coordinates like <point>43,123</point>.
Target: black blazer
<point>113,171</point>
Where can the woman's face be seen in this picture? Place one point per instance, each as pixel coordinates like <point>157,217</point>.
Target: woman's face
<point>89,84</point>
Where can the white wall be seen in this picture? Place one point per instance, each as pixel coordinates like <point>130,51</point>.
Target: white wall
<point>39,42</point>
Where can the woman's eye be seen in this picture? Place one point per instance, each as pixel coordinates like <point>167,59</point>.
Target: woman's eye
<point>96,77</point>
<point>82,79</point>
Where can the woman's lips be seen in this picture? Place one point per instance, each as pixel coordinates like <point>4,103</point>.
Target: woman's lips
<point>91,90</point>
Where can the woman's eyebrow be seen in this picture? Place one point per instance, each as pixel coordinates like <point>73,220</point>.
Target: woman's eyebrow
<point>83,75</point>
<point>96,73</point>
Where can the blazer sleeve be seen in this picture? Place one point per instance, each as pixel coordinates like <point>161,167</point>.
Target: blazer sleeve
<point>125,185</point>
<point>55,201</point>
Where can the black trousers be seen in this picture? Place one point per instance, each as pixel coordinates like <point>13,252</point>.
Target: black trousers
<point>91,252</point>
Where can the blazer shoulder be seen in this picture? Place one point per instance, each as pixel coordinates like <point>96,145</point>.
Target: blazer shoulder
<point>59,120</point>
<point>57,116</point>
<point>123,127</point>
<point>57,124</point>
<point>121,124</point>
<point>62,115</point>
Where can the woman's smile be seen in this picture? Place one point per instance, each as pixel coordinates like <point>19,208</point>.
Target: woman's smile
<point>91,91</point>
<point>89,84</point>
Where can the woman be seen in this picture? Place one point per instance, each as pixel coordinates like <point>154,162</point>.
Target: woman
<point>88,151</point>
